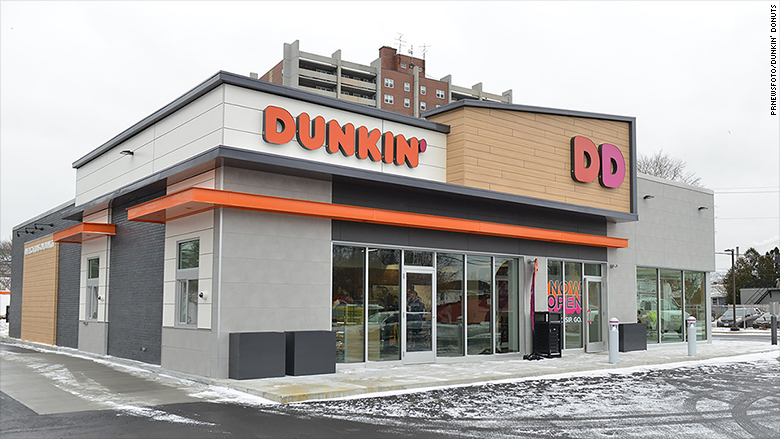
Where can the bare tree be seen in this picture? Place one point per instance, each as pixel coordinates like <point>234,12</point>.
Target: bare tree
<point>5,264</point>
<point>662,165</point>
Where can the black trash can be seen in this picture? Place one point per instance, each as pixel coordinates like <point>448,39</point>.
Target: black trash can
<point>548,333</point>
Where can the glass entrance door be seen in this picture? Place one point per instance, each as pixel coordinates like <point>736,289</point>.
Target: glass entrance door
<point>594,315</point>
<point>418,323</point>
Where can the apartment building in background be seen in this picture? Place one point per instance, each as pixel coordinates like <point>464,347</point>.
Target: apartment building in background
<point>393,82</point>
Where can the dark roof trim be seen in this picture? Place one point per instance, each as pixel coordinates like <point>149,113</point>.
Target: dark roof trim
<point>295,166</point>
<point>527,108</point>
<point>223,77</point>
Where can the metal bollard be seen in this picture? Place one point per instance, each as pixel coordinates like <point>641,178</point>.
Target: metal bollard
<point>613,340</point>
<point>775,312</point>
<point>691,336</point>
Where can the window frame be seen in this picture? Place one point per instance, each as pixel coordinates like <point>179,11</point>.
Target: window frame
<point>407,103</point>
<point>388,99</point>
<point>440,93</point>
<point>423,90</point>
<point>184,294</point>
<point>423,106</point>
<point>407,86</point>
<point>389,83</point>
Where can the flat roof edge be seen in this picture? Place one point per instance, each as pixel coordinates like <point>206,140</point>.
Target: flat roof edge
<point>223,77</point>
<point>527,108</point>
<point>61,207</point>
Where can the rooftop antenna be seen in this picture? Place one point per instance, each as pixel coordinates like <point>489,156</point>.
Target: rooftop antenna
<point>425,48</point>
<point>400,42</point>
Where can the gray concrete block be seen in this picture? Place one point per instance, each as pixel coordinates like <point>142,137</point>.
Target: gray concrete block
<point>310,352</point>
<point>257,355</point>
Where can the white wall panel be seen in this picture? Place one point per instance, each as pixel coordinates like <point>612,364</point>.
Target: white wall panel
<point>204,104</point>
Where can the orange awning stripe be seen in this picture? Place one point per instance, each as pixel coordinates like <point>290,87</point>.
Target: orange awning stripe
<point>195,200</point>
<point>84,232</point>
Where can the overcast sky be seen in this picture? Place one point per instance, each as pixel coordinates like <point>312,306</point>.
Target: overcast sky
<point>695,75</point>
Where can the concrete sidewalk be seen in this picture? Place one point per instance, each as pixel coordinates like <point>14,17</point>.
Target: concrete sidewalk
<point>372,378</point>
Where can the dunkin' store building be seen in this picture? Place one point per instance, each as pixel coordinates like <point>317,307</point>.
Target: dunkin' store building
<point>245,207</point>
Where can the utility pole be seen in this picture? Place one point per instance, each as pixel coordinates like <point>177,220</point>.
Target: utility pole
<point>733,289</point>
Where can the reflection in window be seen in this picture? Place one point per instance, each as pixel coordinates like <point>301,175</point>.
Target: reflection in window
<point>348,297</point>
<point>449,305</point>
<point>647,301</point>
<point>384,280</point>
<point>93,275</point>
<point>188,260</point>
<point>507,306</point>
<point>418,258</point>
<point>671,321</point>
<point>478,305</point>
<point>572,292</point>
<point>694,302</point>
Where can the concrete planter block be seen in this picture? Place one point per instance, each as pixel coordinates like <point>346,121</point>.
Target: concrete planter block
<point>256,355</point>
<point>632,337</point>
<point>311,352</point>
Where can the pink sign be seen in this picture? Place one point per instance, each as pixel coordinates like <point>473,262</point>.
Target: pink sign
<point>605,162</point>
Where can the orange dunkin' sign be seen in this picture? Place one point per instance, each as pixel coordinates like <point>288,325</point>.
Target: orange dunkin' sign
<point>279,127</point>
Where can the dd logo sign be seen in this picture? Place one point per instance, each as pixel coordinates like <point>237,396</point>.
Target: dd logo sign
<point>588,162</point>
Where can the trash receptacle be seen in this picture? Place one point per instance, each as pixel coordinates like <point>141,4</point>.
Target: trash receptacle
<point>548,330</point>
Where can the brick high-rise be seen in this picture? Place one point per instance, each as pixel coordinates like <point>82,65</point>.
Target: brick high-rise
<point>393,82</point>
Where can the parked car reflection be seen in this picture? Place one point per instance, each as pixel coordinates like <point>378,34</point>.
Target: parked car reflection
<point>745,317</point>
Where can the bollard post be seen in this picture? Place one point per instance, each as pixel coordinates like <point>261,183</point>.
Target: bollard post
<point>775,312</point>
<point>613,340</point>
<point>691,336</point>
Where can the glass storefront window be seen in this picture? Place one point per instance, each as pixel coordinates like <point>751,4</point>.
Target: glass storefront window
<point>694,302</point>
<point>507,306</point>
<point>449,305</point>
<point>384,297</point>
<point>478,305</point>
<point>572,272</point>
<point>671,322</point>
<point>348,298</point>
<point>647,301</point>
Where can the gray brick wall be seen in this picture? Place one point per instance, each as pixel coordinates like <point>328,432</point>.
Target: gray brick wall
<point>136,286</point>
<point>67,298</point>
<point>68,295</point>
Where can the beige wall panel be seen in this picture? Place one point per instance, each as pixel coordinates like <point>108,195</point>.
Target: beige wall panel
<point>39,292</point>
<point>529,154</point>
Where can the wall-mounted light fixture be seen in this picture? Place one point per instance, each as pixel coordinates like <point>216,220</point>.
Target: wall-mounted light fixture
<point>703,207</point>
<point>614,265</point>
<point>126,152</point>
<point>649,197</point>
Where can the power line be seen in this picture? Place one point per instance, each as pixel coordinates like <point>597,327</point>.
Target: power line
<point>750,218</point>
<point>748,192</point>
<point>746,187</point>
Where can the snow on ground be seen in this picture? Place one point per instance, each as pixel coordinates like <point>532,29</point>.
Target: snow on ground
<point>702,400</point>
